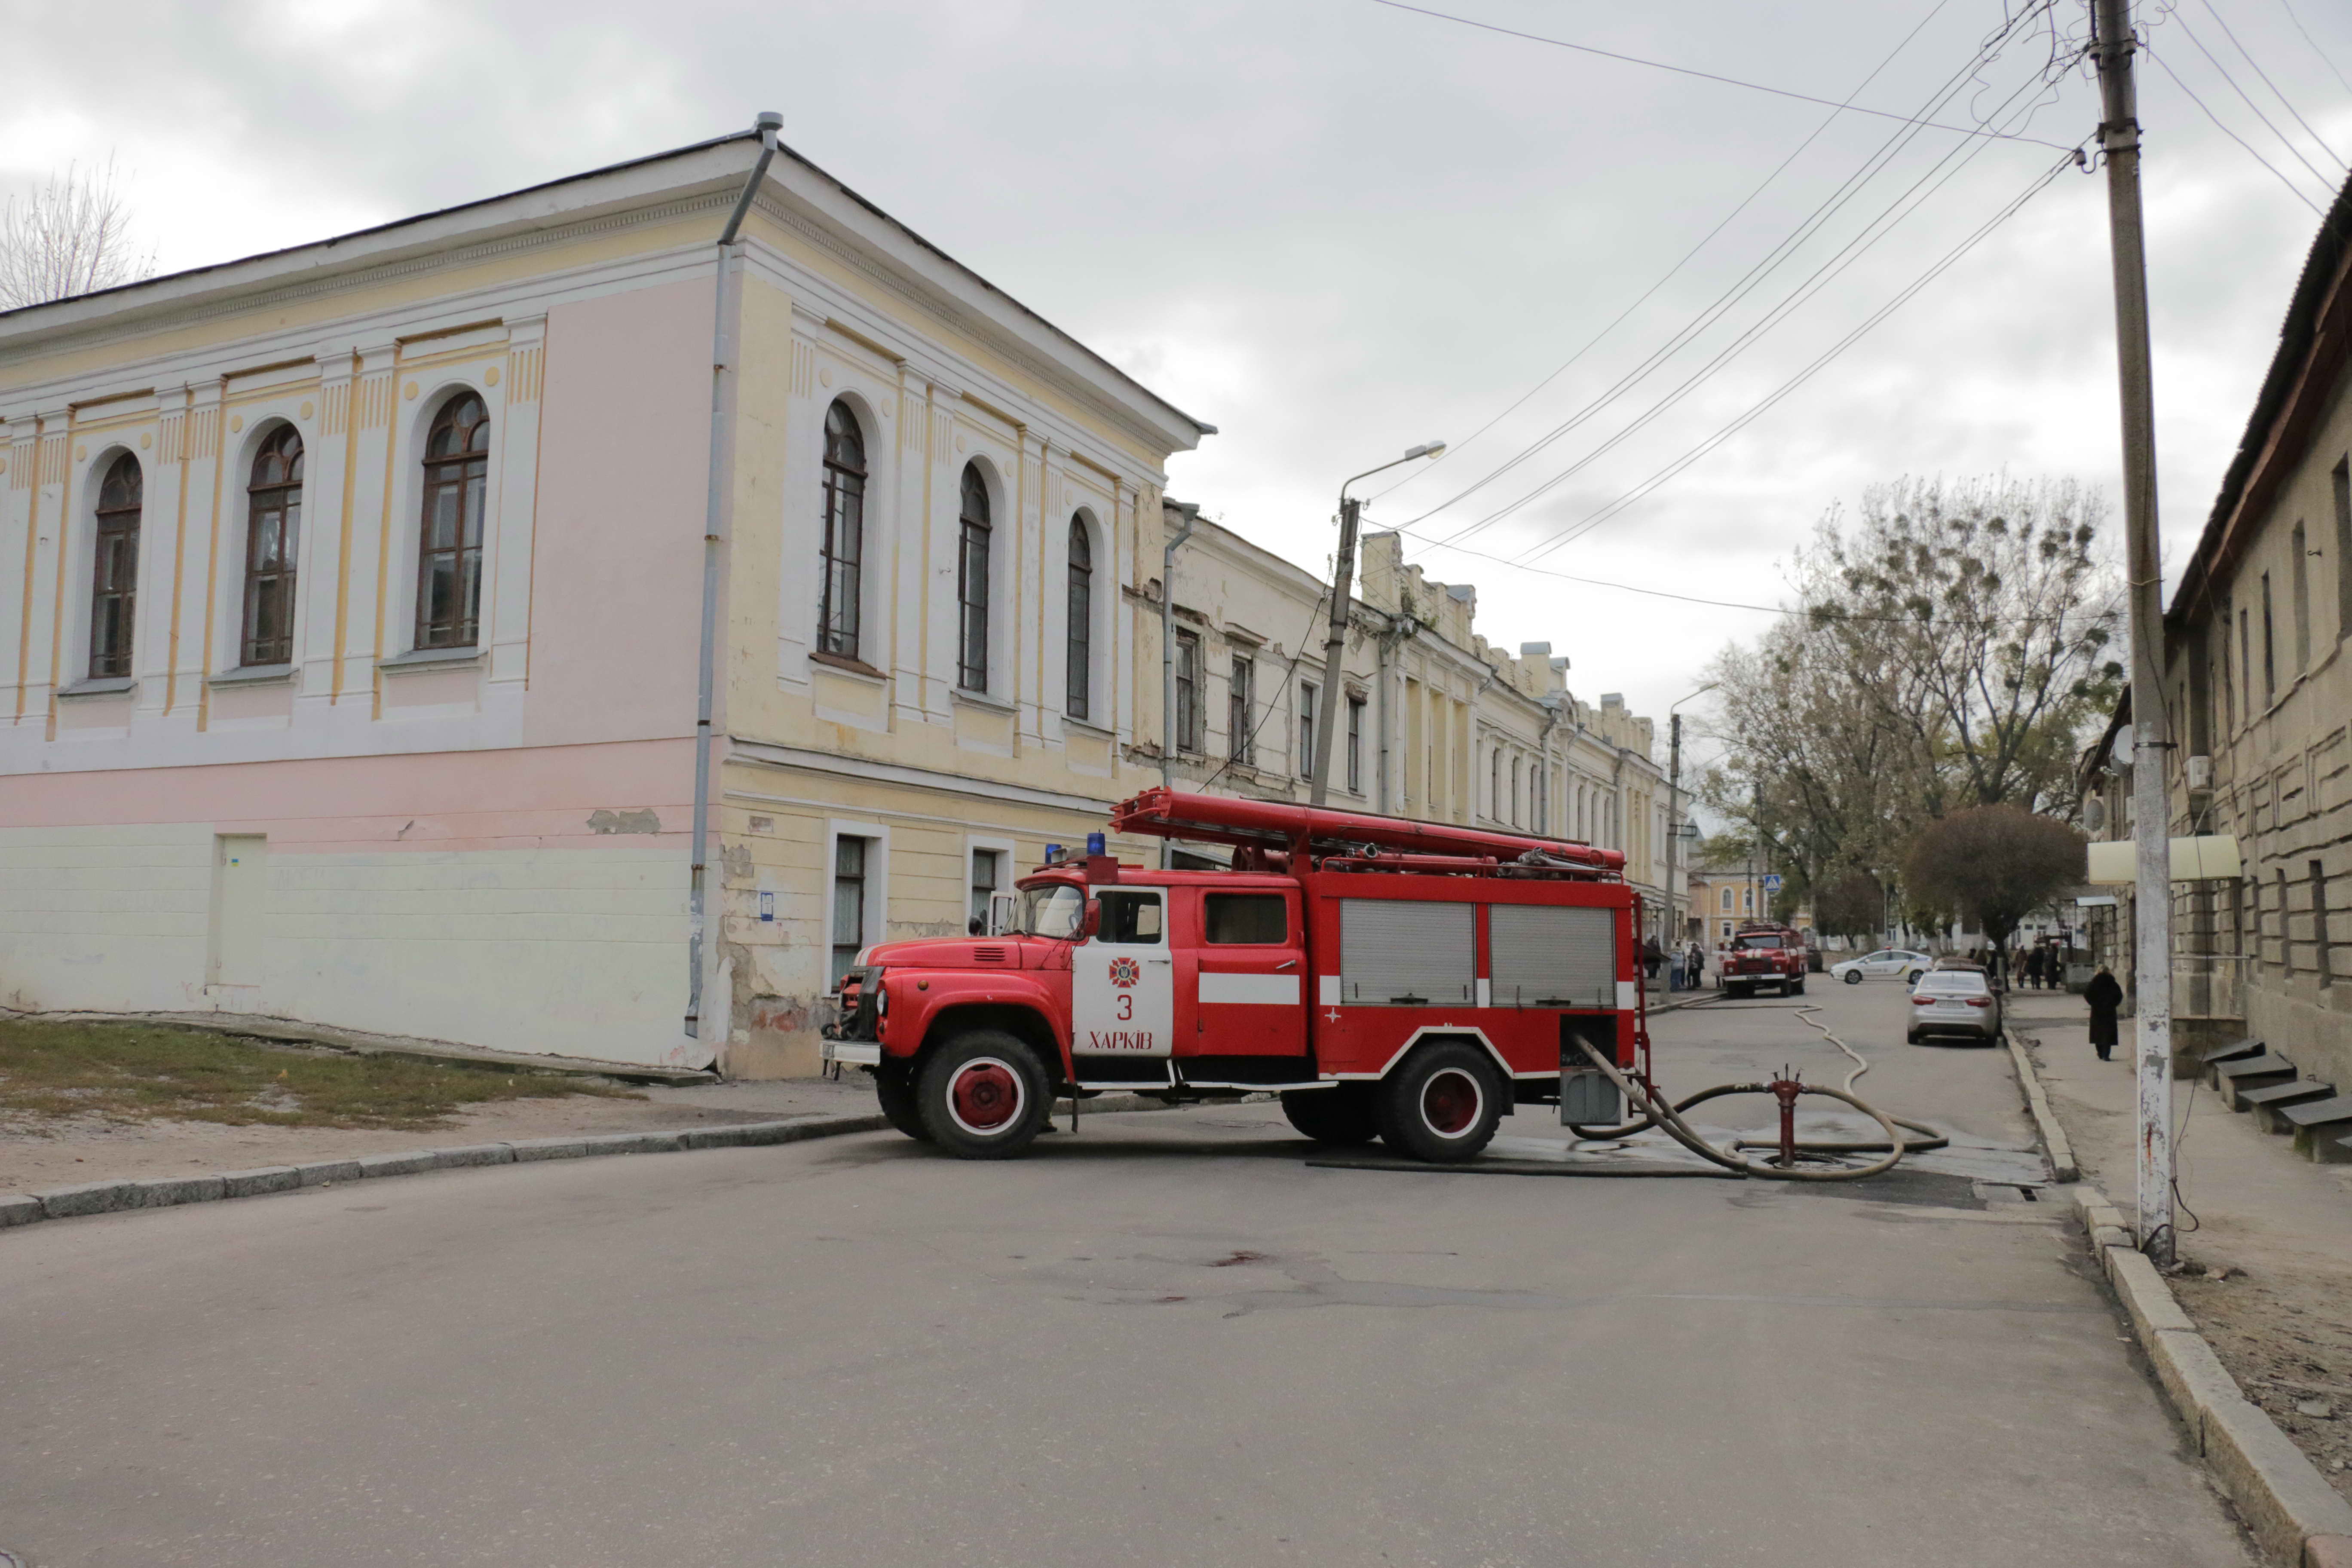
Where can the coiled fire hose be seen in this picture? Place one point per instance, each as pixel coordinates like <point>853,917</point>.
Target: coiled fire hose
<point>1656,1112</point>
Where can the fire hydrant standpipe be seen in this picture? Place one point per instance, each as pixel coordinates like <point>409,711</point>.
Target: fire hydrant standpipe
<point>1655,1111</point>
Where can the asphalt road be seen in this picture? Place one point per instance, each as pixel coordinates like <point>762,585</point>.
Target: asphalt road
<point>1167,1340</point>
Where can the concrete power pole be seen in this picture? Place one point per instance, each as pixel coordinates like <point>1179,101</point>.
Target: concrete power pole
<point>1335,648</point>
<point>2151,827</point>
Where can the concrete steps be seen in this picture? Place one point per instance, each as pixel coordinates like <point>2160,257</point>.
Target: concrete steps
<point>2317,1124</point>
<point>2270,1105</point>
<point>2234,1078</point>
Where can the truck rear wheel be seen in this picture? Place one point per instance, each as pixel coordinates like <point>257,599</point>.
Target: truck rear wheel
<point>1443,1105</point>
<point>983,1096</point>
<point>1341,1115</point>
<point>894,1086</point>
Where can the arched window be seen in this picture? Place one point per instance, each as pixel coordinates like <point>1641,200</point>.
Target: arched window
<point>273,522</point>
<point>844,533</point>
<point>1082,616</point>
<point>114,574</point>
<point>971,583</point>
<point>450,542</point>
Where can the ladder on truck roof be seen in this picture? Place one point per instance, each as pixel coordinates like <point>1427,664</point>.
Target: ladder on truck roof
<point>1317,831</point>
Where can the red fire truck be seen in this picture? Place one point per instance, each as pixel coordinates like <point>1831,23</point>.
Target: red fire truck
<point>1407,981</point>
<point>1763,953</point>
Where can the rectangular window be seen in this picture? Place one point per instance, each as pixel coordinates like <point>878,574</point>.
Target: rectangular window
<point>2270,647</point>
<point>1307,730</point>
<point>2246,665</point>
<point>848,907</point>
<point>986,864</point>
<point>1188,694</point>
<point>2285,951</point>
<point>2229,677</point>
<point>1244,919</point>
<point>1241,708</point>
<point>2299,588</point>
<point>1355,745</point>
<point>971,606</point>
<point>1130,920</point>
<point>1495,784</point>
<point>2343,478</point>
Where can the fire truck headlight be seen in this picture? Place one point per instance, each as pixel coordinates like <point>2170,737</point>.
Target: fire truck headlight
<point>881,998</point>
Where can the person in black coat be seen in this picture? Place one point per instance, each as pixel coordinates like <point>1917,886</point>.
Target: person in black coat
<point>2105,996</point>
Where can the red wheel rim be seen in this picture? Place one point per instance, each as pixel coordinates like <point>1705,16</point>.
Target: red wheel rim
<point>1450,1102</point>
<point>985,1095</point>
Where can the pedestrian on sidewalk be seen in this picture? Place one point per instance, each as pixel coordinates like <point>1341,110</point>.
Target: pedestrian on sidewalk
<point>2105,996</point>
<point>1652,955</point>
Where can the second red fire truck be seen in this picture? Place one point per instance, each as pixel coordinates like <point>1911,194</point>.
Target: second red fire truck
<point>1390,979</point>
<point>1765,954</point>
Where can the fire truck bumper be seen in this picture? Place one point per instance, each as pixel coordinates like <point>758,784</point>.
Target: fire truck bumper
<point>853,1053</point>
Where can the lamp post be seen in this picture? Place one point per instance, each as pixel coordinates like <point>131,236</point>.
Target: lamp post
<point>1675,792</point>
<point>1343,573</point>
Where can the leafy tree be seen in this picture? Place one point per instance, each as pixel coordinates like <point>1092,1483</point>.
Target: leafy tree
<point>1995,864</point>
<point>1853,904</point>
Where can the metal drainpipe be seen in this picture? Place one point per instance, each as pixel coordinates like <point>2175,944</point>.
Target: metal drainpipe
<point>726,290</point>
<point>1551,718</point>
<point>1168,662</point>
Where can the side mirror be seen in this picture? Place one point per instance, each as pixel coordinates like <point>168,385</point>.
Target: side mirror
<point>1093,921</point>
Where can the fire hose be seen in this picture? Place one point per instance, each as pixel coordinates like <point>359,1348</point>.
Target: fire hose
<point>1653,1110</point>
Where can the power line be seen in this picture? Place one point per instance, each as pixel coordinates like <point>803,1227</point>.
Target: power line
<point>2165,66</point>
<point>1705,76</point>
<point>1820,279</point>
<point>1828,120</point>
<point>2267,82</point>
<point>1770,262</point>
<point>1593,519</point>
<point>2285,140</point>
<point>2288,6</point>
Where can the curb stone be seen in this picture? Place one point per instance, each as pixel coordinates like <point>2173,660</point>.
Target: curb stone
<point>167,1192</point>
<point>2062,1165</point>
<point>2297,1517</point>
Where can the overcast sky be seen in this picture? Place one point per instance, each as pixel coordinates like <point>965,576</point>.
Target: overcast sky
<point>1335,228</point>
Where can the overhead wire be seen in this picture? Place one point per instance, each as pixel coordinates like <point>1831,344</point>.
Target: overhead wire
<point>2285,101</point>
<point>1763,268</point>
<point>2247,99</point>
<point>1672,272</point>
<point>1704,76</point>
<point>2288,6</point>
<point>1909,201</point>
<point>1611,509</point>
<point>2222,125</point>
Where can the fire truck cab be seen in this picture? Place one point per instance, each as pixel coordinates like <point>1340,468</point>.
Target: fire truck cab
<point>1390,979</point>
<point>1765,954</point>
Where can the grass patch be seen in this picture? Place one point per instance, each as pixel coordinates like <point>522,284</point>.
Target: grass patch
<point>133,1072</point>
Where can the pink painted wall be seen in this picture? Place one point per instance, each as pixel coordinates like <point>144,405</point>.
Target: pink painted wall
<point>538,797</point>
<point>623,457</point>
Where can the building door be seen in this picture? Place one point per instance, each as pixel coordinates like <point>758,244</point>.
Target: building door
<point>1123,987</point>
<point>240,898</point>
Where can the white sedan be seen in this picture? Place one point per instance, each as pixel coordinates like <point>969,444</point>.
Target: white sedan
<point>1899,961</point>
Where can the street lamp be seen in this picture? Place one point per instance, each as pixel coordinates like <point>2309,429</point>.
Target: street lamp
<point>1343,575</point>
<point>1674,788</point>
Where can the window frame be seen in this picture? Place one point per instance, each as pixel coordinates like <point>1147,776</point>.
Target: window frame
<point>1191,731</point>
<point>1308,694</point>
<point>463,629</point>
<point>1079,633</point>
<point>1355,744</point>
<point>1241,711</point>
<point>975,546</point>
<point>282,574</point>
<point>841,495</point>
<point>114,572</point>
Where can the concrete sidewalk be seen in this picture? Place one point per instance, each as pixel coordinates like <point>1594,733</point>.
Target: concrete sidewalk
<point>2267,1235</point>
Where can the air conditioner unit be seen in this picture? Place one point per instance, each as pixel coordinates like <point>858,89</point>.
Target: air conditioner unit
<point>2201,772</point>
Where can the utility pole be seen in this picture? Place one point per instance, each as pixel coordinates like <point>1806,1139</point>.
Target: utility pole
<point>2152,826</point>
<point>1335,647</point>
<point>1343,577</point>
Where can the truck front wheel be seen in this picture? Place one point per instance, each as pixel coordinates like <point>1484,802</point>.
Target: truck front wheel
<point>1443,1105</point>
<point>1341,1115</point>
<point>983,1096</point>
<point>894,1086</point>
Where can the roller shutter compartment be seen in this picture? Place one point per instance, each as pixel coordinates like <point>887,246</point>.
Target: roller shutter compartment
<point>1402,953</point>
<point>1546,956</point>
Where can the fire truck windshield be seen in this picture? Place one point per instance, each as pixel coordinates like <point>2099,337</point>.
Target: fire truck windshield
<point>1052,911</point>
<point>1759,939</point>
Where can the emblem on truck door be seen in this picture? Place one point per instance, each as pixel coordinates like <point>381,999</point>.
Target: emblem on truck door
<point>1125,972</point>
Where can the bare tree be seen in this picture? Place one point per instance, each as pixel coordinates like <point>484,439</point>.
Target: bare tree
<point>70,236</point>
